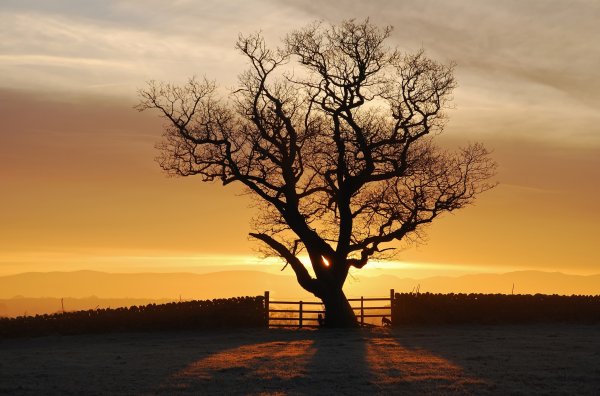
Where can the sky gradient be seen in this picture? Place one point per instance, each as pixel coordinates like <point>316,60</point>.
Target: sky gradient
<point>80,188</point>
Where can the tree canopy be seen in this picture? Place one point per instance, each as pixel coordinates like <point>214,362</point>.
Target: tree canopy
<point>333,133</point>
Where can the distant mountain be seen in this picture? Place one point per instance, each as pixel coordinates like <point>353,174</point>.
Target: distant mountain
<point>24,306</point>
<point>143,285</point>
<point>525,282</point>
<point>41,292</point>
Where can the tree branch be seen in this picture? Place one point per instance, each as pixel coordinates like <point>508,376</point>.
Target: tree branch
<point>304,279</point>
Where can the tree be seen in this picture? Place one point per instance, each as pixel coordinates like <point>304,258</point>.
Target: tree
<point>338,151</point>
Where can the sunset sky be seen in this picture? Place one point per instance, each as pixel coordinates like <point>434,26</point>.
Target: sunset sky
<point>79,188</point>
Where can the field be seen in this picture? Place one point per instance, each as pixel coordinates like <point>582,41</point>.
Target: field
<point>473,359</point>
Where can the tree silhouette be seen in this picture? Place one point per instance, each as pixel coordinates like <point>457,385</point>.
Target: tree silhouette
<point>332,133</point>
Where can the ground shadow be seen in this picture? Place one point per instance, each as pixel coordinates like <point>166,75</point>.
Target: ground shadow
<point>118,363</point>
<point>352,361</point>
<point>268,362</point>
<point>410,360</point>
<point>338,364</point>
<point>398,368</point>
<point>537,358</point>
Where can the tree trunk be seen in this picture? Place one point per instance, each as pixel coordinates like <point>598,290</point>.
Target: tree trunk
<point>338,312</point>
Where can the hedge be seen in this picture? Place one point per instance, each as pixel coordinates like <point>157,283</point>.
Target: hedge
<point>208,314</point>
<point>427,308</point>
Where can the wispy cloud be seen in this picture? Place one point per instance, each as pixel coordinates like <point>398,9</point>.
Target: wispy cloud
<point>123,43</point>
<point>524,68</point>
<point>61,61</point>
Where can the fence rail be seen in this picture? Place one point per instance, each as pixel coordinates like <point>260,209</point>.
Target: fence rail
<point>300,320</point>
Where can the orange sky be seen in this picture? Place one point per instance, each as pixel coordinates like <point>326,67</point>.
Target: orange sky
<point>80,189</point>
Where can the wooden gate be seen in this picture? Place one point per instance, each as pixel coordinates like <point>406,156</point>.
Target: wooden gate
<point>300,314</point>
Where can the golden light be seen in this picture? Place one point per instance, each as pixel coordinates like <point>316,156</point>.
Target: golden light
<point>302,359</point>
<point>325,261</point>
<point>392,364</point>
<point>279,361</point>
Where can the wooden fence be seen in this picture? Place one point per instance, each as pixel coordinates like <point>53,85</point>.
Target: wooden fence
<point>299,310</point>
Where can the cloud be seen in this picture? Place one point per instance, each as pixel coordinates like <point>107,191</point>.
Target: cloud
<point>523,67</point>
<point>122,44</point>
<point>70,54</point>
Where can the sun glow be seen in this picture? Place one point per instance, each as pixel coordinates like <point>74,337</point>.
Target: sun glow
<point>166,261</point>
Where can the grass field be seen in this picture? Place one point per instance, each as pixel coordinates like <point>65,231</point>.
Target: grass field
<point>525,359</point>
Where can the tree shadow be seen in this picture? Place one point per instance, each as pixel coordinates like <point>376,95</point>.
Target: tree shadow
<point>350,361</point>
<point>337,361</point>
<point>338,364</point>
<point>285,362</point>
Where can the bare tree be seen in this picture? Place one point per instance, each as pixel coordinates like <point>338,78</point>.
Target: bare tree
<point>333,133</point>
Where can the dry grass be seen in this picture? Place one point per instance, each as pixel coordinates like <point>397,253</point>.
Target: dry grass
<point>533,359</point>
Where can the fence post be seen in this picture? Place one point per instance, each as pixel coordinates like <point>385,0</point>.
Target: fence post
<point>362,311</point>
<point>267,309</point>
<point>393,306</point>
<point>300,318</point>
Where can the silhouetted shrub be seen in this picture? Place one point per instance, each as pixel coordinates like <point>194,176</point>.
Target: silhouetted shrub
<point>190,315</point>
<point>426,308</point>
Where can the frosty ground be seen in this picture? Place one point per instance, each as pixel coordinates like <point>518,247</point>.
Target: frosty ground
<point>527,359</point>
